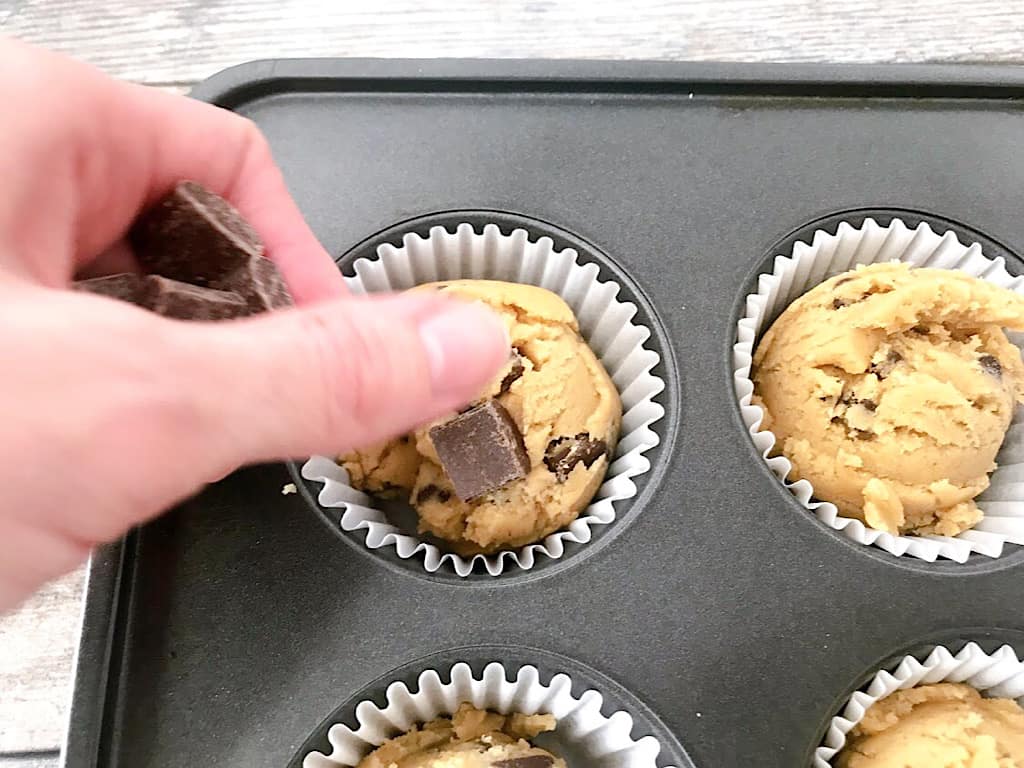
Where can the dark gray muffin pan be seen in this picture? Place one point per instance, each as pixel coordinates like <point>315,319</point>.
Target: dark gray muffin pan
<point>236,629</point>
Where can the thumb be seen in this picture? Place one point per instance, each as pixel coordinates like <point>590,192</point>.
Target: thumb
<point>338,375</point>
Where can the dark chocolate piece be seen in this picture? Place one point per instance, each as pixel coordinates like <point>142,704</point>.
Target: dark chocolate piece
<point>514,373</point>
<point>170,298</point>
<point>564,453</point>
<point>990,365</point>
<point>531,761</point>
<point>259,283</point>
<point>870,405</point>
<point>922,330</point>
<point>839,303</point>
<point>194,236</point>
<point>481,450</point>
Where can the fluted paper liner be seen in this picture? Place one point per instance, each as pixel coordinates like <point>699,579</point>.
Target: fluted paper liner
<point>997,675</point>
<point>830,254</point>
<point>581,731</point>
<point>606,323</point>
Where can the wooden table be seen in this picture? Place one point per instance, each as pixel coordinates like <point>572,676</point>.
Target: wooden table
<point>174,43</point>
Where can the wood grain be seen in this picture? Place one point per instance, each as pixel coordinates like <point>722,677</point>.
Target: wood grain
<point>37,643</point>
<point>187,40</point>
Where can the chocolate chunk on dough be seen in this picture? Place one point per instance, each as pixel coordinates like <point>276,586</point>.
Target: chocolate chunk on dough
<point>480,450</point>
<point>564,453</point>
<point>170,298</point>
<point>990,365</point>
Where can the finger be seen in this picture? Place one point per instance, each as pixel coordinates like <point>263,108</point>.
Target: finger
<point>89,152</point>
<point>116,260</point>
<point>336,375</point>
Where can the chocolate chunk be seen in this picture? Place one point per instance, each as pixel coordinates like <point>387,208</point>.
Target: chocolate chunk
<point>259,283</point>
<point>531,761</point>
<point>481,450</point>
<point>990,365</point>
<point>197,237</point>
<point>884,368</point>
<point>870,405</point>
<point>863,434</point>
<point>515,372</point>
<point>839,303</point>
<point>564,453</point>
<point>428,492</point>
<point>170,298</point>
<point>194,236</point>
<point>921,330</point>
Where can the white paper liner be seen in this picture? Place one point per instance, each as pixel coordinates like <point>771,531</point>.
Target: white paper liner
<point>605,322</point>
<point>997,675</point>
<point>582,735</point>
<point>828,255</point>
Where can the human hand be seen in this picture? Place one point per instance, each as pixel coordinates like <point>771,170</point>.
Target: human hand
<point>112,414</point>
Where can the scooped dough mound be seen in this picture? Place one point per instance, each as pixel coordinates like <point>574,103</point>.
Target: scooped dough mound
<point>890,390</point>
<point>948,725</point>
<point>561,400</point>
<point>472,738</point>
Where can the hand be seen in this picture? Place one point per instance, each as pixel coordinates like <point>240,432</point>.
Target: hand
<point>111,414</point>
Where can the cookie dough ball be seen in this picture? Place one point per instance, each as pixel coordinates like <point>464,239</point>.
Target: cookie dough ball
<point>472,738</point>
<point>937,726</point>
<point>562,401</point>
<point>890,390</point>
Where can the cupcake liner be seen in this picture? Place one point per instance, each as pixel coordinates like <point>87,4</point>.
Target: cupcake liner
<point>583,735</point>
<point>828,255</point>
<point>998,675</point>
<point>606,322</point>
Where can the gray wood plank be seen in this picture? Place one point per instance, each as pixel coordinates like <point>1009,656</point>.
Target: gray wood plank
<point>31,760</point>
<point>37,644</point>
<point>186,40</point>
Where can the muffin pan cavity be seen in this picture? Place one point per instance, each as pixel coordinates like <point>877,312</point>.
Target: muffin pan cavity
<point>615,321</point>
<point>598,721</point>
<point>828,247</point>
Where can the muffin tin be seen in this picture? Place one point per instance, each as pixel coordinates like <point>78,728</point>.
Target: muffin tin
<point>236,629</point>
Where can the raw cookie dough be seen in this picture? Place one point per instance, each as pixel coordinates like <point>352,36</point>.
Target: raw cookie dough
<point>948,725</point>
<point>563,402</point>
<point>472,738</point>
<point>890,390</point>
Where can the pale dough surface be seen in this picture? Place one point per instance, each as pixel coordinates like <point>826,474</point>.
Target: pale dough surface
<point>563,391</point>
<point>890,390</point>
<point>471,738</point>
<point>948,725</point>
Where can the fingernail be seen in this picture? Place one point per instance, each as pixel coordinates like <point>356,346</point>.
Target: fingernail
<point>465,345</point>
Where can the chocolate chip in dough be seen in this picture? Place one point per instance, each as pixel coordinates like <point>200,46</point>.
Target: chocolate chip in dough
<point>839,303</point>
<point>884,367</point>
<point>990,365</point>
<point>564,453</point>
<point>428,492</point>
<point>514,373</point>
<point>531,761</point>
